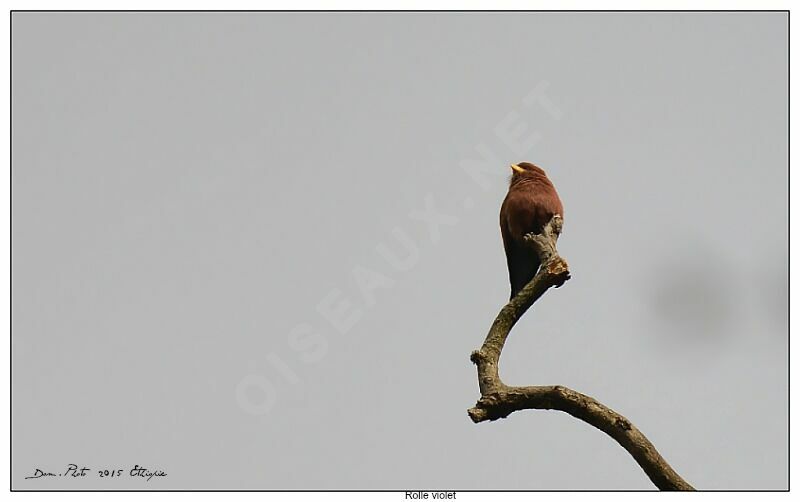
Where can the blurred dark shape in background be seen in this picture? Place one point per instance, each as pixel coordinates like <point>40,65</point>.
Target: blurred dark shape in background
<point>706,295</point>
<point>693,295</point>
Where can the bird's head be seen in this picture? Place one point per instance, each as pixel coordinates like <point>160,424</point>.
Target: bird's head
<point>526,170</point>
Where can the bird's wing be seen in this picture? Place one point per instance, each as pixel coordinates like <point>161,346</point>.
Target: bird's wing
<point>522,261</point>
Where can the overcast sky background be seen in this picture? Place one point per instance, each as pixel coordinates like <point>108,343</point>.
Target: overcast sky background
<point>194,195</point>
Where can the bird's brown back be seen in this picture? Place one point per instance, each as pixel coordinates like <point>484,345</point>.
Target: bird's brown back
<point>529,205</point>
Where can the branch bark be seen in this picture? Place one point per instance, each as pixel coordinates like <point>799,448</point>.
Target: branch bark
<point>499,400</point>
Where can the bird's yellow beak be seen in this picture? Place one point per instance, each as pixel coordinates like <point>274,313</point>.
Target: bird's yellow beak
<point>517,168</point>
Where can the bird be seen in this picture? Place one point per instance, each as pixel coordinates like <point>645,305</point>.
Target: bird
<point>530,204</point>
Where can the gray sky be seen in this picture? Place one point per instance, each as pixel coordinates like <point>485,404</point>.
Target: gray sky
<point>203,207</point>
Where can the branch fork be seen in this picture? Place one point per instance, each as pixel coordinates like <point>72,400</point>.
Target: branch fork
<point>499,400</point>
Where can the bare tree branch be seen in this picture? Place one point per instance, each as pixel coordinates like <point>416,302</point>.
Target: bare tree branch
<point>499,400</point>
